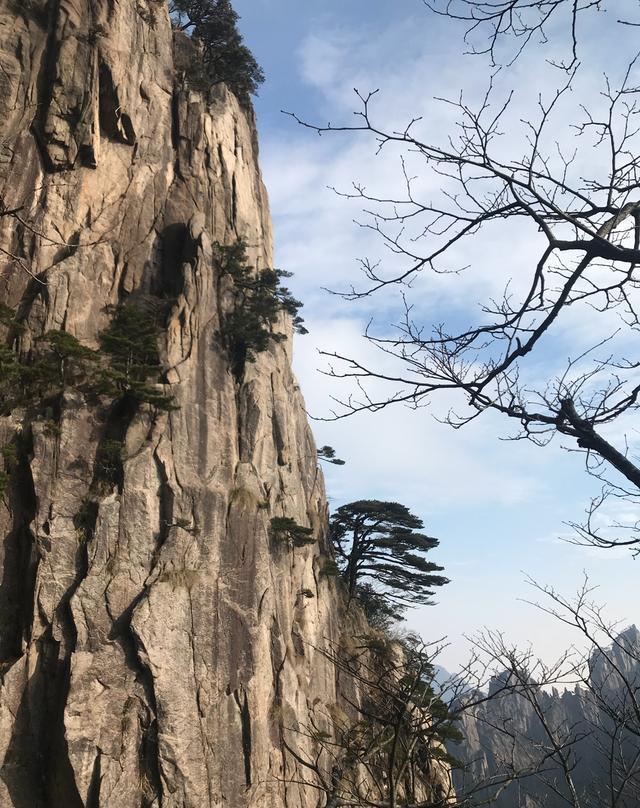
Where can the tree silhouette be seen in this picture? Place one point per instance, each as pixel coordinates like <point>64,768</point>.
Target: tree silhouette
<point>378,543</point>
<point>570,182</point>
<point>225,57</point>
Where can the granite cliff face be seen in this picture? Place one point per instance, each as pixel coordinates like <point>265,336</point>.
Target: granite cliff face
<point>155,643</point>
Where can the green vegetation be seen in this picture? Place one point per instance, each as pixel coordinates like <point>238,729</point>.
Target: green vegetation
<point>64,361</point>
<point>395,731</point>
<point>381,557</point>
<point>5,479</point>
<point>381,613</point>
<point>57,361</point>
<point>259,299</point>
<point>108,464</point>
<point>8,318</point>
<point>122,369</point>
<point>328,567</point>
<point>11,372</point>
<point>419,679</point>
<point>223,56</point>
<point>287,530</point>
<point>131,342</point>
<point>85,518</point>
<point>328,454</point>
<point>121,375</point>
<point>10,458</point>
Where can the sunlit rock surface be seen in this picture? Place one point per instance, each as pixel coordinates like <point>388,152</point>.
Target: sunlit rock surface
<point>158,656</point>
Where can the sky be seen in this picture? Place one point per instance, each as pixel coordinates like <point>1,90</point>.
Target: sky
<point>499,508</point>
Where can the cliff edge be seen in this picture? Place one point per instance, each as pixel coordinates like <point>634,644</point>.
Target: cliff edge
<point>155,643</point>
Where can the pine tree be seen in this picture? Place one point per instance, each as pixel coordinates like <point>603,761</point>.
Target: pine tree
<point>58,360</point>
<point>287,530</point>
<point>328,454</point>
<point>259,298</point>
<point>380,550</point>
<point>131,342</point>
<point>124,369</point>
<point>225,57</point>
<point>64,359</point>
<point>381,613</point>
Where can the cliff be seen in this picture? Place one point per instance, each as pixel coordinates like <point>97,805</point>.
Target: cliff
<point>155,643</point>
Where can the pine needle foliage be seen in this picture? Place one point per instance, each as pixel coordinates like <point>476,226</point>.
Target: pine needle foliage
<point>8,317</point>
<point>10,379</point>
<point>10,461</point>
<point>328,567</point>
<point>131,343</point>
<point>57,361</point>
<point>63,361</point>
<point>382,614</point>
<point>123,371</point>
<point>259,299</point>
<point>5,479</point>
<point>382,555</point>
<point>108,464</point>
<point>224,56</point>
<point>125,367</point>
<point>328,454</point>
<point>286,529</point>
<point>396,732</point>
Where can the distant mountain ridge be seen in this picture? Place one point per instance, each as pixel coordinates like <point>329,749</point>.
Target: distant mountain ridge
<point>593,730</point>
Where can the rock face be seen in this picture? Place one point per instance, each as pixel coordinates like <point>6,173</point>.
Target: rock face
<point>155,642</point>
<point>505,735</point>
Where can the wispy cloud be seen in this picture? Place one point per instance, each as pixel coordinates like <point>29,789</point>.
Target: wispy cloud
<point>490,501</point>
<point>405,453</point>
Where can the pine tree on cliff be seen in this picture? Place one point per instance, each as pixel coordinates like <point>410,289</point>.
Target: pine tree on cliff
<point>214,24</point>
<point>381,555</point>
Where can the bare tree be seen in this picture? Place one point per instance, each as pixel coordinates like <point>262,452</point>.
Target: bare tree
<point>523,22</point>
<point>583,743</point>
<point>391,741</point>
<point>383,747</point>
<point>565,733</point>
<point>572,187</point>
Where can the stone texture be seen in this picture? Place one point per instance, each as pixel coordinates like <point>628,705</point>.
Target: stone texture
<point>156,644</point>
<point>156,658</point>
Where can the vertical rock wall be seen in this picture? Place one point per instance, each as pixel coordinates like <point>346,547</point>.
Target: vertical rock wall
<point>155,643</point>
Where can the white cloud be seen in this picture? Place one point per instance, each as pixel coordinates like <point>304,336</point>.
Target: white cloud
<point>490,500</point>
<point>405,453</point>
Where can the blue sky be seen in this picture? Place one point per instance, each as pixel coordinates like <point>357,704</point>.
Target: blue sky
<point>498,507</point>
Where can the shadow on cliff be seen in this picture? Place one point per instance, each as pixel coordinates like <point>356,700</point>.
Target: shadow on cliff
<point>177,248</point>
<point>19,574</point>
<point>36,768</point>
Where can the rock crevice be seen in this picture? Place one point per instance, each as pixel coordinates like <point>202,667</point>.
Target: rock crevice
<point>147,618</point>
